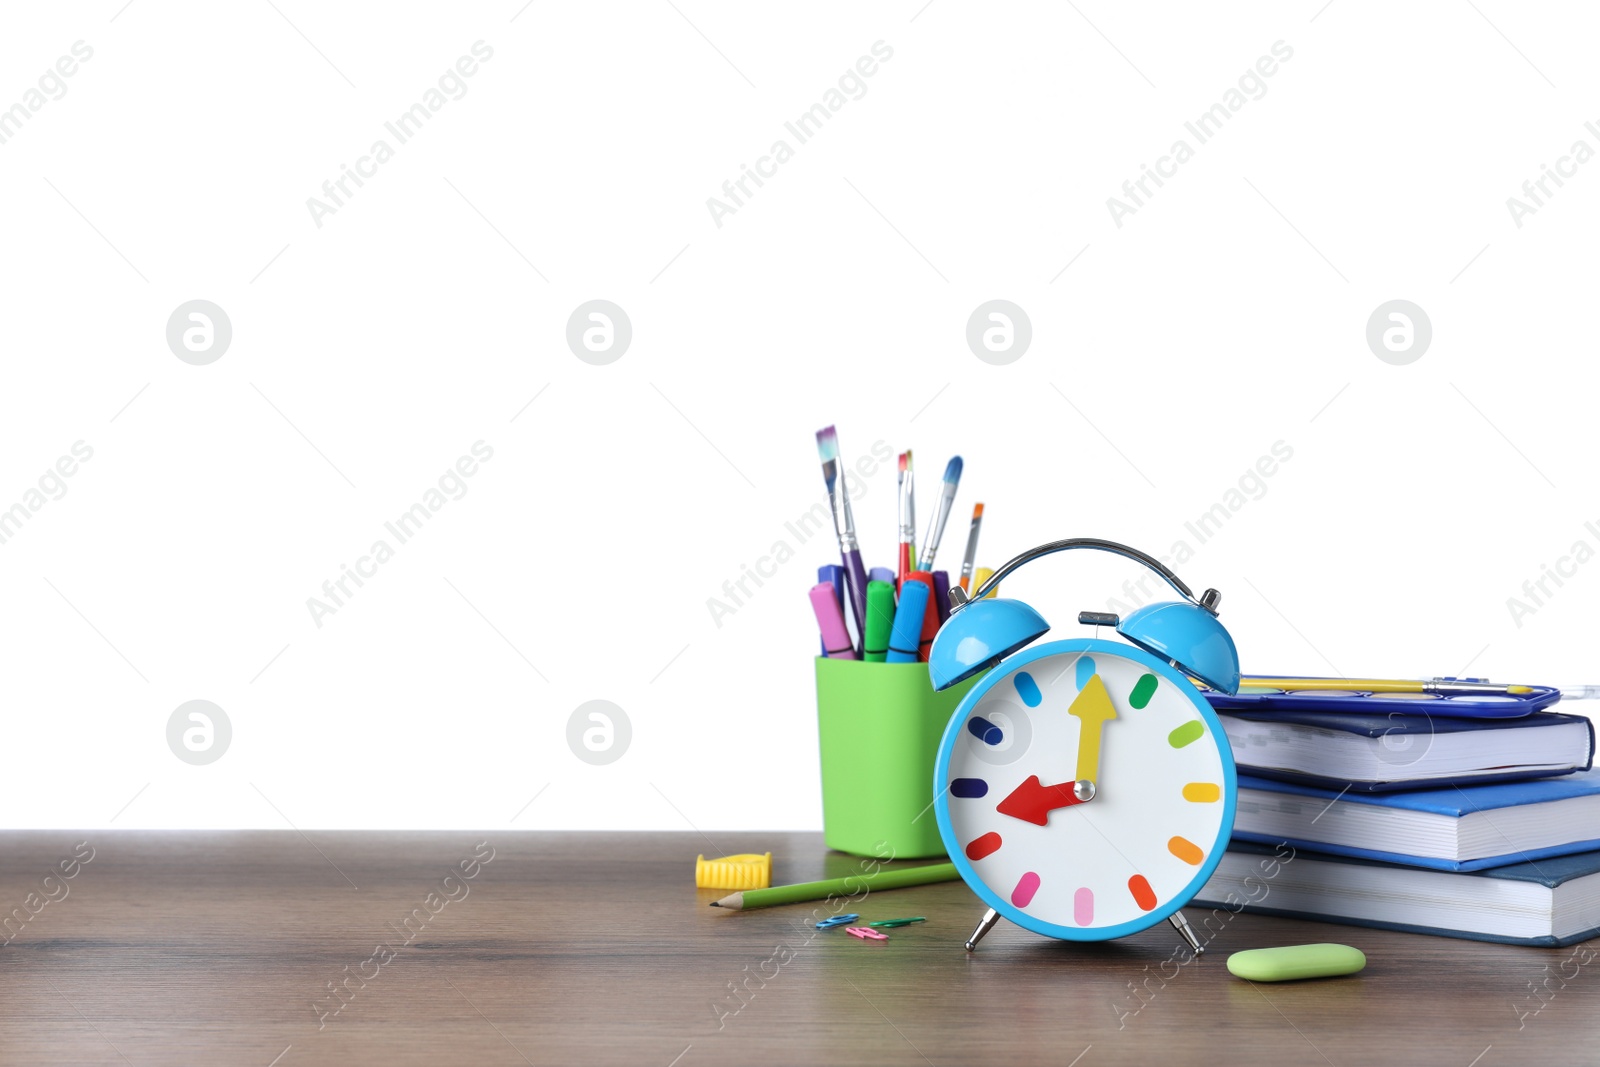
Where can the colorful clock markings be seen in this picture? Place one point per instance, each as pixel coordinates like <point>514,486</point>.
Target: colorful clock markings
<point>1027,688</point>
<point>1187,734</point>
<point>986,731</point>
<point>1143,690</point>
<point>1186,850</point>
<point>1108,687</point>
<point>1083,906</point>
<point>1027,886</point>
<point>987,845</point>
<point>1143,895</point>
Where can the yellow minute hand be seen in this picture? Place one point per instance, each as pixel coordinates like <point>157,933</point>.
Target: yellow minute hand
<point>1091,708</point>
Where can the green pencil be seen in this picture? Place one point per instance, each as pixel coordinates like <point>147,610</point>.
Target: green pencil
<point>849,886</point>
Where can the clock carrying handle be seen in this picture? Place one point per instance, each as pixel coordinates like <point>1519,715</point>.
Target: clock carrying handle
<point>1085,542</point>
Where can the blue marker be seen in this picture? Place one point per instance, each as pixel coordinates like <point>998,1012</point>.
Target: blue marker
<point>906,635</point>
<point>880,574</point>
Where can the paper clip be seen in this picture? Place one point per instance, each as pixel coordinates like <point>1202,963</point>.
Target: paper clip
<point>837,920</point>
<point>864,933</point>
<point>899,922</point>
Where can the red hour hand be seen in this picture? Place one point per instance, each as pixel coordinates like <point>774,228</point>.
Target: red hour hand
<point>1033,802</point>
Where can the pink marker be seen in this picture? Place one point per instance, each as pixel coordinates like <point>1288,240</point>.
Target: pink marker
<point>835,638</point>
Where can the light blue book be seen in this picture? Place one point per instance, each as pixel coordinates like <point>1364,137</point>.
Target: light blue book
<point>1455,828</point>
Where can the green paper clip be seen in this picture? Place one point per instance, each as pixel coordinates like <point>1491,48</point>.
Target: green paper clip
<point>899,922</point>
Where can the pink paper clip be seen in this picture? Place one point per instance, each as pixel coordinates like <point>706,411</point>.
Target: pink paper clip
<point>865,933</point>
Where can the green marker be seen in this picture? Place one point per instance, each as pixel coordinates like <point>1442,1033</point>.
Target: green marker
<point>880,619</point>
<point>855,885</point>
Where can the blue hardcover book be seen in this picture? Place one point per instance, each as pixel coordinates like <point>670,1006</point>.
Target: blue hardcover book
<point>1377,753</point>
<point>1551,902</point>
<point>1465,828</point>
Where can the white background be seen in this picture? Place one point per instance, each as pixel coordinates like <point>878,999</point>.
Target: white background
<point>1227,314</point>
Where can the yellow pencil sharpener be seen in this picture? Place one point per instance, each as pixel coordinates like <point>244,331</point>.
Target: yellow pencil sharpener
<point>746,871</point>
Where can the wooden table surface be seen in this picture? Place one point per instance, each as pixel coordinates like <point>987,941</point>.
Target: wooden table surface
<point>202,948</point>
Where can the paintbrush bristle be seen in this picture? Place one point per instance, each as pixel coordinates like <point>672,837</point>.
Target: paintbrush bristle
<point>907,467</point>
<point>828,444</point>
<point>903,457</point>
<point>952,470</point>
<point>977,511</point>
<point>828,449</point>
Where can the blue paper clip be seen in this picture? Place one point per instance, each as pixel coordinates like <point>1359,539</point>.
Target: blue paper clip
<point>837,920</point>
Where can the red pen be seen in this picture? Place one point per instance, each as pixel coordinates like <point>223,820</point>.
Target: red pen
<point>908,520</point>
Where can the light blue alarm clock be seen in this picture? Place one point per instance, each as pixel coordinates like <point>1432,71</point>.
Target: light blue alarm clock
<point>1084,788</point>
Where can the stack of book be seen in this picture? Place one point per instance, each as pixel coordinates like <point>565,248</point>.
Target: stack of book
<point>1483,828</point>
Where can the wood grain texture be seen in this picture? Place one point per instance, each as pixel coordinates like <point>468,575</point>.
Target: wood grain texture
<point>180,948</point>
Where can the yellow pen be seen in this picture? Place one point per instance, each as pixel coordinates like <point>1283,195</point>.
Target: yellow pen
<point>981,575</point>
<point>1440,686</point>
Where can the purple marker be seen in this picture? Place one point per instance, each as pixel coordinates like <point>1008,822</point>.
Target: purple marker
<point>941,594</point>
<point>832,572</point>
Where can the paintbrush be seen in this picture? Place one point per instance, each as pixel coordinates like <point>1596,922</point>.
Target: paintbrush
<point>844,524</point>
<point>972,547</point>
<point>908,520</point>
<point>947,496</point>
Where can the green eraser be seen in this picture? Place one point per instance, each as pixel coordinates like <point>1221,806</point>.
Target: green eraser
<point>1292,962</point>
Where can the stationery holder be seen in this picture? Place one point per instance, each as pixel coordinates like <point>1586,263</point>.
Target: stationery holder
<point>880,725</point>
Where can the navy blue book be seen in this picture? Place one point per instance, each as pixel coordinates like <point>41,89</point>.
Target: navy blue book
<point>1457,828</point>
<point>1551,902</point>
<point>1382,752</point>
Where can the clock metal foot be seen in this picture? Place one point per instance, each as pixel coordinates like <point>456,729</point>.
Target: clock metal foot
<point>985,924</point>
<point>1182,926</point>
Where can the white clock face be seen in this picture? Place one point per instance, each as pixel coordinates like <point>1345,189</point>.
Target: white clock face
<point>1162,803</point>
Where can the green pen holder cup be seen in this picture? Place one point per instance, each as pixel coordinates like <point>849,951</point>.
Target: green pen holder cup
<point>880,725</point>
